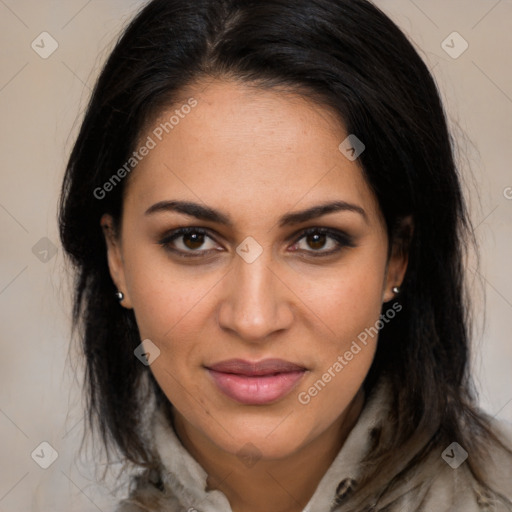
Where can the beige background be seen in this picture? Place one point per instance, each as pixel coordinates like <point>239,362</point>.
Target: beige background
<point>41,101</point>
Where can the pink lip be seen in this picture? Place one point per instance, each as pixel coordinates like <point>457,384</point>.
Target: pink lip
<point>256,383</point>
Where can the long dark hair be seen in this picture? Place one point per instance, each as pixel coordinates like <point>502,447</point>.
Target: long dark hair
<point>343,54</point>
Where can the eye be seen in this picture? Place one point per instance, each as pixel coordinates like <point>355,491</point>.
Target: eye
<point>192,242</point>
<point>316,239</point>
<point>187,241</point>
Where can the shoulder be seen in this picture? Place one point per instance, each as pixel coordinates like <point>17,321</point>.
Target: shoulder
<point>500,456</point>
<point>146,502</point>
<point>454,486</point>
<point>148,496</point>
<point>445,479</point>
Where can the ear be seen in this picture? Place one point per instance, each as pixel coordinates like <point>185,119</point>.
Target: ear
<point>115,258</point>
<point>399,257</point>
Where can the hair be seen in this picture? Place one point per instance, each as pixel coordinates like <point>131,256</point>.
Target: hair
<point>348,56</point>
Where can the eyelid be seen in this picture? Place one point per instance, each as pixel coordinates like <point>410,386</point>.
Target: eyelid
<point>332,232</point>
<point>179,232</point>
<point>341,238</point>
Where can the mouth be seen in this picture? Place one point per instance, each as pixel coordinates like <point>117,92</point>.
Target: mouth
<point>256,383</point>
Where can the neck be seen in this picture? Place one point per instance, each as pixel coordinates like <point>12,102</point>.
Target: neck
<point>288,483</point>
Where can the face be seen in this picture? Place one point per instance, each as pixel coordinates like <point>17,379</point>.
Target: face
<point>284,258</point>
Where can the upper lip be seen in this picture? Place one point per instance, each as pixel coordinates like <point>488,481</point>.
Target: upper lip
<point>251,369</point>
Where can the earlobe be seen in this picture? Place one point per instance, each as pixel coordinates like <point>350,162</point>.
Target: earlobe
<point>115,260</point>
<point>399,258</point>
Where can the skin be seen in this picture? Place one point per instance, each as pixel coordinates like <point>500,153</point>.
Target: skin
<point>255,156</point>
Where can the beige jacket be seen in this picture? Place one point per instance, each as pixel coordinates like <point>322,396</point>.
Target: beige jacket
<point>439,485</point>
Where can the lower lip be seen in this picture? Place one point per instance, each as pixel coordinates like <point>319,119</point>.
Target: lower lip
<point>256,390</point>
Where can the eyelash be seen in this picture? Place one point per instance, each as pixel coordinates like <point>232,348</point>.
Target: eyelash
<point>343,240</point>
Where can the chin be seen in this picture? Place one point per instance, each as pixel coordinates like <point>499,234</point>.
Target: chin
<point>258,441</point>
<point>251,449</point>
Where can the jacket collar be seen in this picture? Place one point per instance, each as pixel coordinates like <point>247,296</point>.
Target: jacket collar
<point>184,477</point>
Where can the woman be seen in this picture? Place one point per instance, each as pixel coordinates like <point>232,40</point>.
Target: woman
<point>268,228</point>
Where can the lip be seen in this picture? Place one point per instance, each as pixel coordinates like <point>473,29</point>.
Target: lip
<point>256,383</point>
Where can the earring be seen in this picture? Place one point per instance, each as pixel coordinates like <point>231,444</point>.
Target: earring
<point>119,296</point>
<point>395,290</point>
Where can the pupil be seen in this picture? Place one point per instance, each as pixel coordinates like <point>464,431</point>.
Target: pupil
<point>195,239</point>
<point>318,240</point>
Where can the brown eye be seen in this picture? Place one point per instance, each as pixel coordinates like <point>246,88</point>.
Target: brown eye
<point>193,240</point>
<point>189,241</point>
<point>322,242</point>
<point>316,240</point>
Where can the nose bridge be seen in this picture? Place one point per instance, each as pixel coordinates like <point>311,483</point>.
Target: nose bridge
<point>254,307</point>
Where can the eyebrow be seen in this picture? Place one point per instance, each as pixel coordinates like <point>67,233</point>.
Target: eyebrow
<point>206,213</point>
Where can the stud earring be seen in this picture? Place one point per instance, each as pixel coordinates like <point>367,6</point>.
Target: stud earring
<point>119,296</point>
<point>395,290</point>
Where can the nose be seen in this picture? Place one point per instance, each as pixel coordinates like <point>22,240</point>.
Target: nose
<point>255,302</point>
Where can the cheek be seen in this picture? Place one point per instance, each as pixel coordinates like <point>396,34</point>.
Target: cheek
<point>168,307</point>
<point>349,300</point>
<point>163,297</point>
<point>357,303</point>
<point>350,308</point>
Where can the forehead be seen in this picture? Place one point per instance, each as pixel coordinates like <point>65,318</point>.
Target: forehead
<point>249,150</point>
